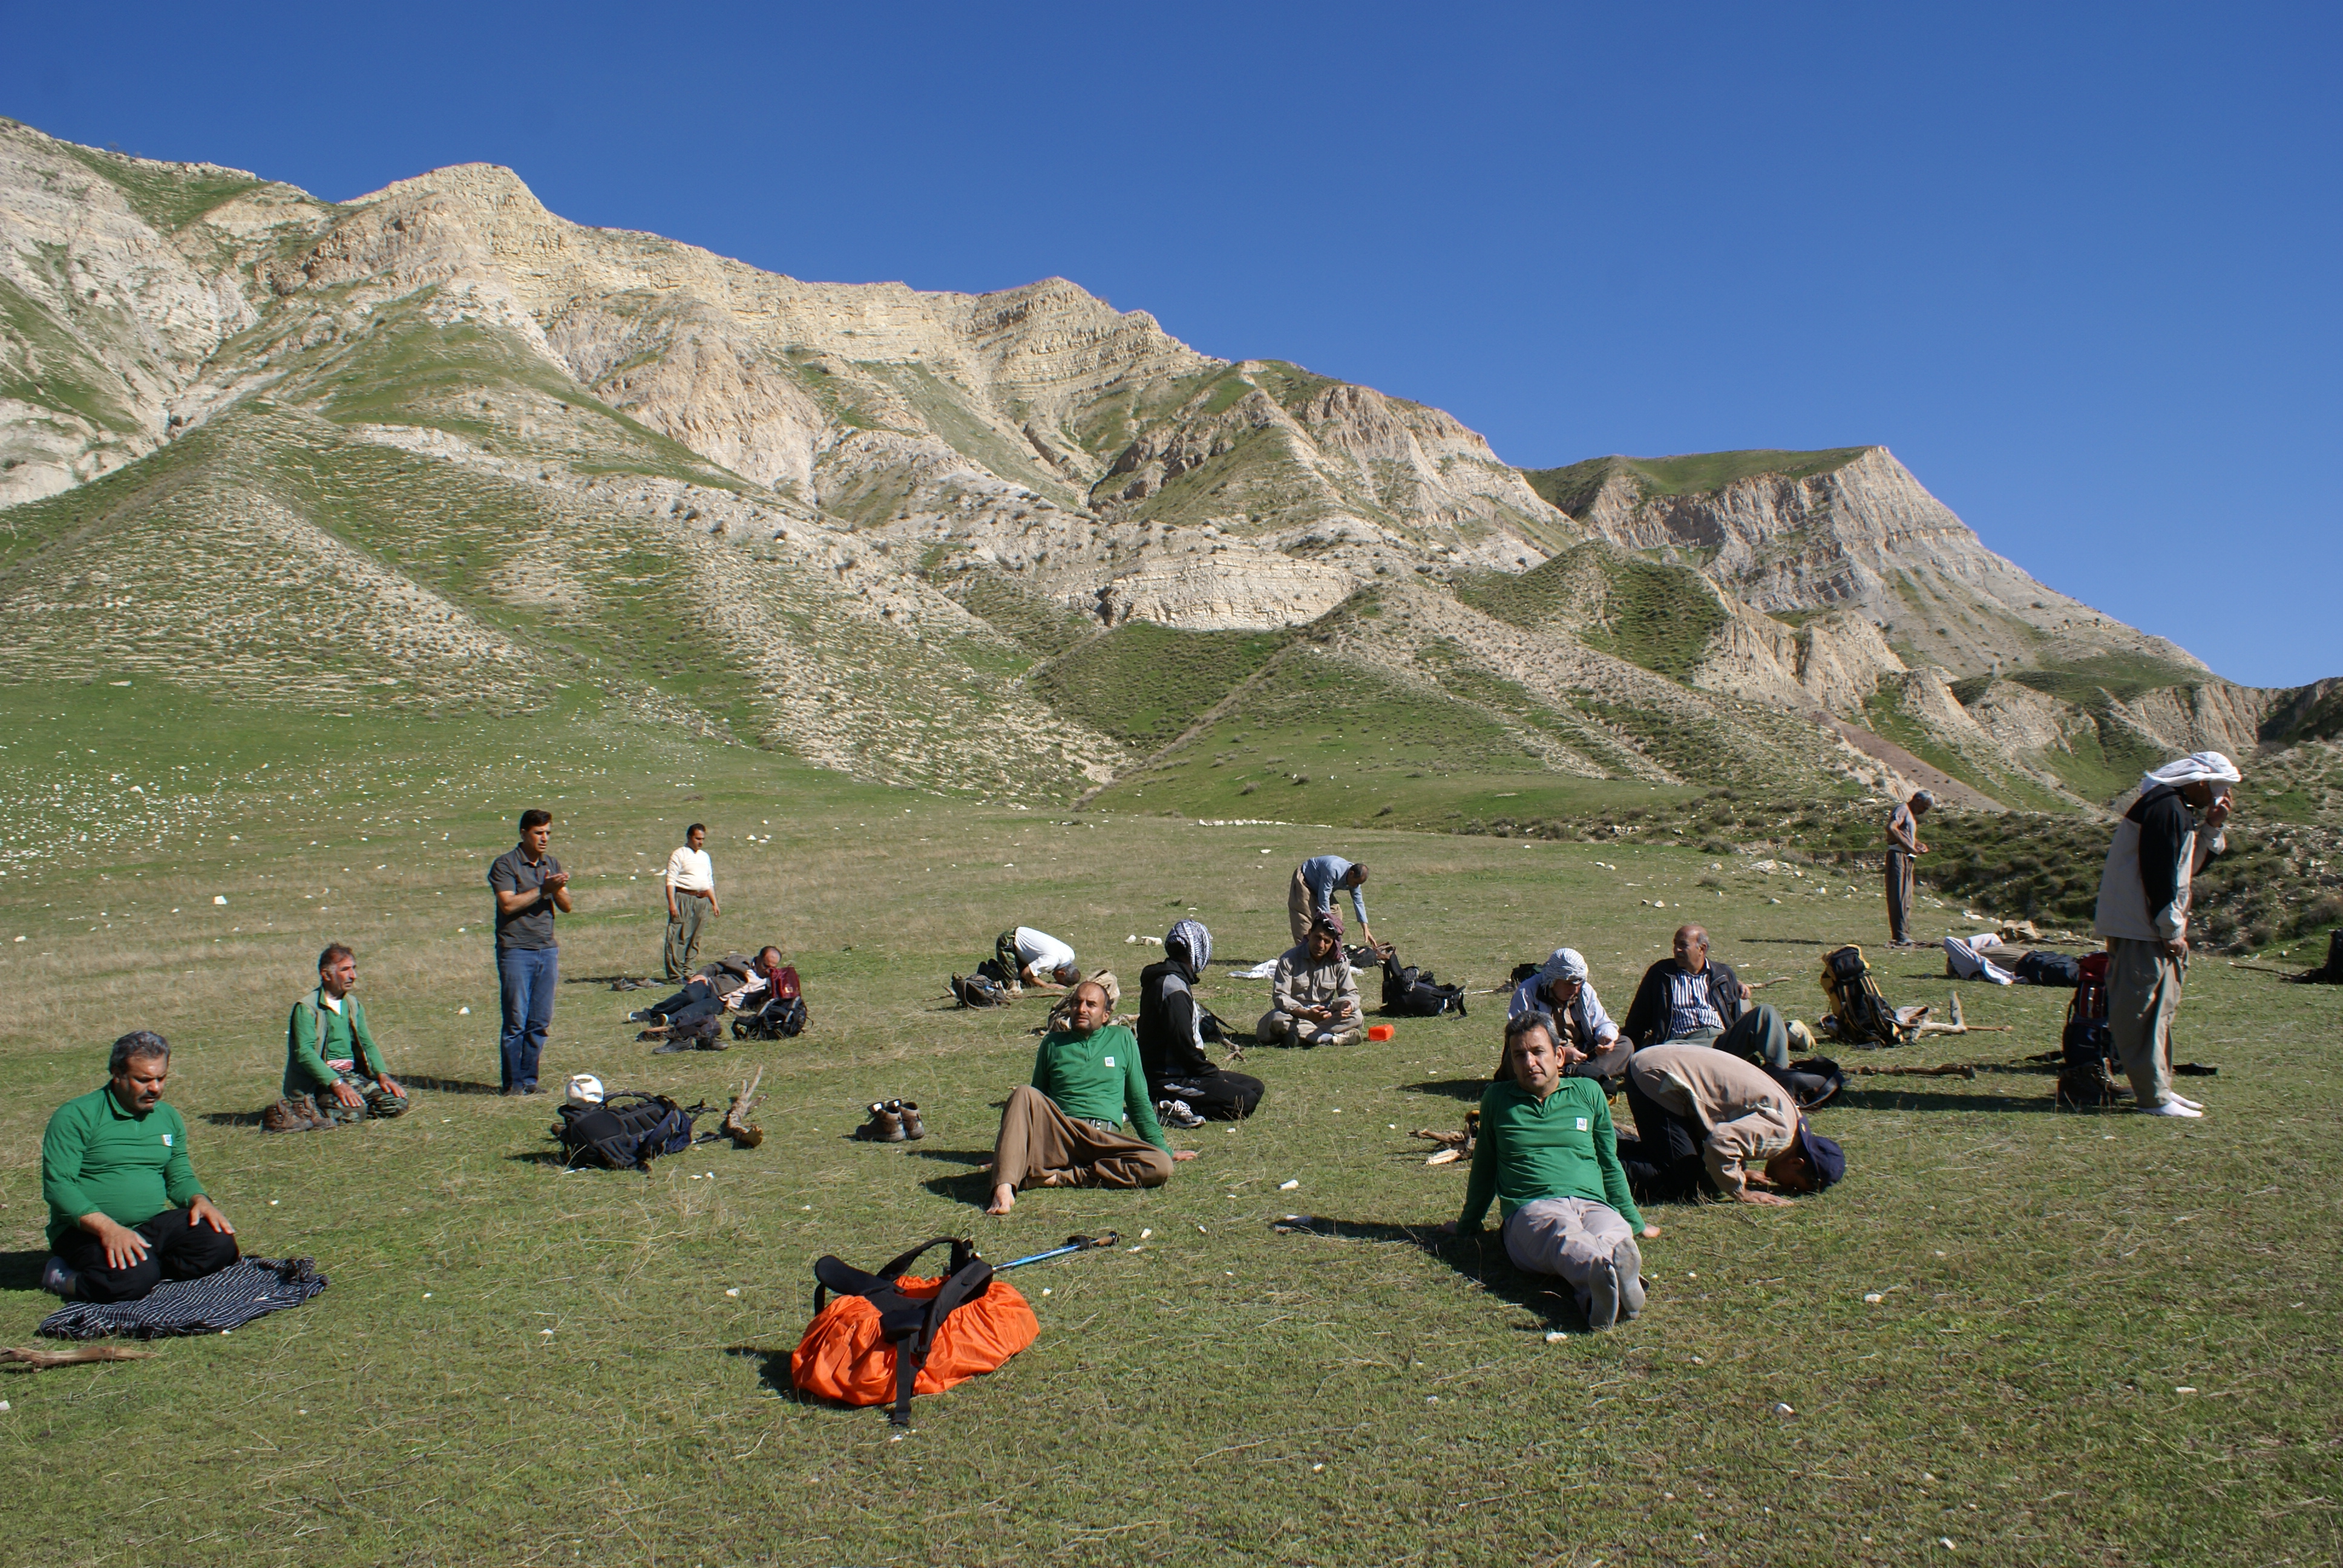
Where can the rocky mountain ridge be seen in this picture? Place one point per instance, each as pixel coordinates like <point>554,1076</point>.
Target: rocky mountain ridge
<point>493,453</point>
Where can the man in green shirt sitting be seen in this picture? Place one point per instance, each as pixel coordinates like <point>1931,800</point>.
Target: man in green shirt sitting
<point>330,1056</point>
<point>1548,1155</point>
<point>126,1211</point>
<point>1065,1130</point>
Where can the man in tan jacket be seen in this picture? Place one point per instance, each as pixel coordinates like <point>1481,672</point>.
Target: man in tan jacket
<point>1701,1111</point>
<point>1313,999</point>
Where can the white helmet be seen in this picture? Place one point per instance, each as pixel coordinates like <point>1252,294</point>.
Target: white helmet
<point>584,1089</point>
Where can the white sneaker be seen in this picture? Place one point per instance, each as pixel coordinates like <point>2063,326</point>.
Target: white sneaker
<point>2171,1108</point>
<point>2196,1105</point>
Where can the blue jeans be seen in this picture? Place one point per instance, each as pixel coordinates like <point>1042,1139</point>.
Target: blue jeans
<point>527,977</point>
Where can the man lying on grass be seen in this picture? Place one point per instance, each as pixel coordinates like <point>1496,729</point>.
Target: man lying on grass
<point>728,985</point>
<point>1065,1128</point>
<point>331,1060</point>
<point>126,1211</point>
<point>1548,1155</point>
<point>1701,1113</point>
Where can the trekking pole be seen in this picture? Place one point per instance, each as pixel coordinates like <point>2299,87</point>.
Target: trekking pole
<point>1073,1244</point>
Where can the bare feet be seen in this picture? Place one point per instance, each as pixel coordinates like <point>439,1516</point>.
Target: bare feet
<point>1004,1197</point>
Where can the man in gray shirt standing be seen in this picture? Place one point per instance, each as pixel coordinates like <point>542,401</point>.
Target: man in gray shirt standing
<point>530,889</point>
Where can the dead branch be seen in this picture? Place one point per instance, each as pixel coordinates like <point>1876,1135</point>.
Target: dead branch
<point>744,1133</point>
<point>1950,1070</point>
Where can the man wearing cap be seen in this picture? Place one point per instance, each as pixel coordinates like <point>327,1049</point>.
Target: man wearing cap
<point>1547,1153</point>
<point>1313,997</point>
<point>1310,898</point>
<point>1902,843</point>
<point>1701,1114</point>
<point>1589,1044</point>
<point>2159,846</point>
<point>1186,1086</point>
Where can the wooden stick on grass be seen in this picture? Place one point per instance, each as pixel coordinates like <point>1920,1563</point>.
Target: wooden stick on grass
<point>40,1360</point>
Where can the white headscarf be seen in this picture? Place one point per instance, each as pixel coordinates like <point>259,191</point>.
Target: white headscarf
<point>1565,964</point>
<point>2190,769</point>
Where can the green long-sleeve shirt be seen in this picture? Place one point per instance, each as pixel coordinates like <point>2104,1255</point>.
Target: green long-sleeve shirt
<point>345,1036</point>
<point>1559,1147</point>
<point>1097,1076</point>
<point>97,1157</point>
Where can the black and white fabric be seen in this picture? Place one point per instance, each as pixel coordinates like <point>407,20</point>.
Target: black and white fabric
<point>215,1303</point>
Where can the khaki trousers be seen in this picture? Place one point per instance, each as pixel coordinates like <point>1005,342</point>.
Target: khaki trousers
<point>683,932</point>
<point>1038,1139</point>
<point>1899,895</point>
<point>1572,1238</point>
<point>2143,993</point>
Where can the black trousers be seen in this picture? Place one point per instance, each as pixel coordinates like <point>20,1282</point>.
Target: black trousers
<point>1663,1160</point>
<point>1216,1096</point>
<point>177,1248</point>
<point>695,1001</point>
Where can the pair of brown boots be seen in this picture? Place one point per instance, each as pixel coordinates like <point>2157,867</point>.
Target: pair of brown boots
<point>893,1122</point>
<point>297,1114</point>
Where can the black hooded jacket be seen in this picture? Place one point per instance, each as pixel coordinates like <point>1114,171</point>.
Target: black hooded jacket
<point>1170,1036</point>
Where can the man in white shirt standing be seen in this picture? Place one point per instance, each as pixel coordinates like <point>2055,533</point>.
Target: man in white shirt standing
<point>691,900</point>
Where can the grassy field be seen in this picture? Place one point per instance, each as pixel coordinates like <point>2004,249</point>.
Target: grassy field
<point>517,1365</point>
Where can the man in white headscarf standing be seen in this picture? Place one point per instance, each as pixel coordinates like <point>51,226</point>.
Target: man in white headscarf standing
<point>2160,844</point>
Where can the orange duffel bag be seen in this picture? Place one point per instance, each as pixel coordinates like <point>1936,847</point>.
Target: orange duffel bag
<point>889,1335</point>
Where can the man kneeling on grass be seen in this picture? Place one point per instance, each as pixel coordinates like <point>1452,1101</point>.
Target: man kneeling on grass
<point>1701,1114</point>
<point>331,1060</point>
<point>126,1211</point>
<point>1065,1129</point>
<point>1548,1155</point>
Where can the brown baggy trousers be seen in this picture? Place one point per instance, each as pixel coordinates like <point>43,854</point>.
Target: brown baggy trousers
<point>1899,895</point>
<point>1038,1139</point>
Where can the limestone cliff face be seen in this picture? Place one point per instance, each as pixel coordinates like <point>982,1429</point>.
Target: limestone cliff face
<point>1867,536</point>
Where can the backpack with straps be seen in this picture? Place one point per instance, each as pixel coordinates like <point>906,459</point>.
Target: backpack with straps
<point>1412,993</point>
<point>890,1335</point>
<point>1861,1012</point>
<point>2086,1076</point>
<point>625,1131</point>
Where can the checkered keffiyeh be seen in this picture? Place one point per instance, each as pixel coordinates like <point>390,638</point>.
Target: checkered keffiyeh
<point>229,1299</point>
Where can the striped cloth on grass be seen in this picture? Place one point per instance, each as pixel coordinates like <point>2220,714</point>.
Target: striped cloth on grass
<point>215,1303</point>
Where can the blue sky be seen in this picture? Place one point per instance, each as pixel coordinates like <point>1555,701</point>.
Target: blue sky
<point>2076,265</point>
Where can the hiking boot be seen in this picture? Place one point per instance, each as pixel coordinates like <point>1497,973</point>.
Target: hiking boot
<point>710,1042</point>
<point>910,1113</point>
<point>1603,1293</point>
<point>1176,1113</point>
<point>283,1117</point>
<point>667,1047</point>
<point>307,1105</point>
<point>60,1280</point>
<point>885,1126</point>
<point>645,1015</point>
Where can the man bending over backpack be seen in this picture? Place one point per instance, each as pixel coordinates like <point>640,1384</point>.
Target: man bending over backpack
<point>1548,1155</point>
<point>1065,1128</point>
<point>331,1060</point>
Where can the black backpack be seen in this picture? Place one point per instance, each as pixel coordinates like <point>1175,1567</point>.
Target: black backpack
<point>2046,969</point>
<point>980,990</point>
<point>2087,1077</point>
<point>909,1322</point>
<point>1412,993</point>
<point>627,1132</point>
<point>782,1018</point>
<point>1524,971</point>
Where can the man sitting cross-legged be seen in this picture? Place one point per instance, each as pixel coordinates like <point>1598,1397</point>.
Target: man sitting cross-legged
<point>1702,1114</point>
<point>331,1060</point>
<point>1313,999</point>
<point>126,1211</point>
<point>1065,1128</point>
<point>1186,1085</point>
<point>1548,1155</point>
<point>1589,1043</point>
<point>729,984</point>
<point>1696,1000</point>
